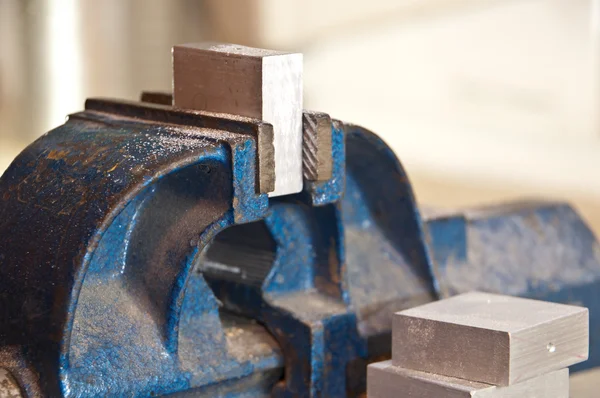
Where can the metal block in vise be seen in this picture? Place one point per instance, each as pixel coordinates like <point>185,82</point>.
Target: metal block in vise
<point>140,255</point>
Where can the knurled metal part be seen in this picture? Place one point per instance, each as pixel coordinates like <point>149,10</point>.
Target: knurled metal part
<point>317,159</point>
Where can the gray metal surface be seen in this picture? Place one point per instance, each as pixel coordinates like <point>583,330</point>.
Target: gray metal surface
<point>248,82</point>
<point>387,381</point>
<point>490,338</point>
<point>263,132</point>
<point>584,384</point>
<point>317,157</point>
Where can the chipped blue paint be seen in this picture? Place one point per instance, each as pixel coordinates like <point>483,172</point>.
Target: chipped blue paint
<point>114,205</point>
<point>334,281</point>
<point>137,259</point>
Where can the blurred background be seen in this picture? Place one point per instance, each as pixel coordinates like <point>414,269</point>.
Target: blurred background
<point>482,100</point>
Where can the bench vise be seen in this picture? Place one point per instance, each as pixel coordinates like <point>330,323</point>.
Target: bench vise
<point>221,242</point>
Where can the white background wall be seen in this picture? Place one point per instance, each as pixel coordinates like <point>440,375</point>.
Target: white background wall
<point>507,92</point>
<point>486,93</point>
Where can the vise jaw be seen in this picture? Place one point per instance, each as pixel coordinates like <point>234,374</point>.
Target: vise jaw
<point>166,247</point>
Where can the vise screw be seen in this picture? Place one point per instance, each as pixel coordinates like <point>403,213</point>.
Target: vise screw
<point>219,241</point>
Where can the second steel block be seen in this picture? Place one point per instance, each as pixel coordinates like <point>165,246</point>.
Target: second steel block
<point>490,338</point>
<point>388,381</point>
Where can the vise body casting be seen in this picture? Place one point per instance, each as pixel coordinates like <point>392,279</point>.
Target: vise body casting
<point>143,253</point>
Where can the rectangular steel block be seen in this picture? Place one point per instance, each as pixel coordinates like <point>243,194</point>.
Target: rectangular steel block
<point>494,339</point>
<point>250,82</point>
<point>387,381</point>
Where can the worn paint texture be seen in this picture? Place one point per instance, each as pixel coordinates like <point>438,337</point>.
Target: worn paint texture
<point>138,258</point>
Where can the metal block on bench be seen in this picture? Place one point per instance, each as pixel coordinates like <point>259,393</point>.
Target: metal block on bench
<point>388,381</point>
<point>494,339</point>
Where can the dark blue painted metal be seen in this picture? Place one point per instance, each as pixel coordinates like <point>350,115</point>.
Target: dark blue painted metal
<point>101,221</point>
<point>340,270</point>
<point>137,259</point>
<point>538,250</point>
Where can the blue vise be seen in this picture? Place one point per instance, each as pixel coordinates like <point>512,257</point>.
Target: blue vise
<point>139,258</point>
